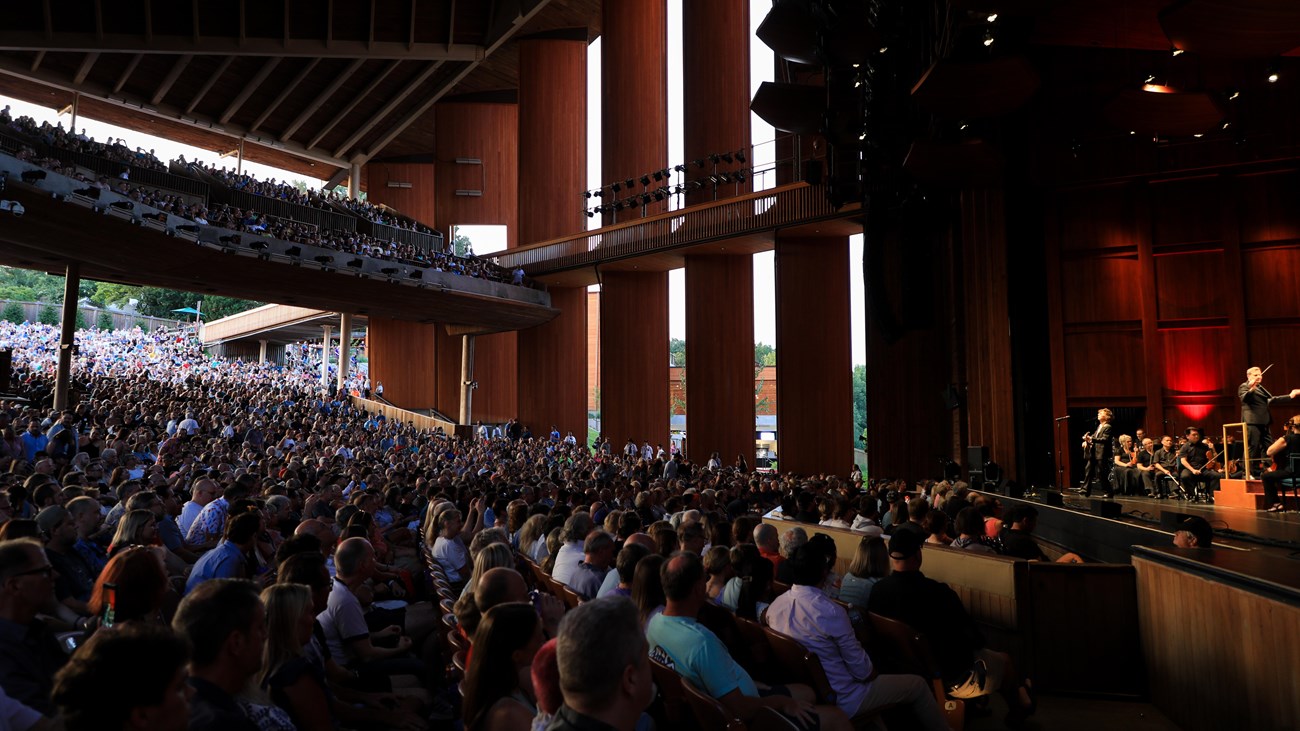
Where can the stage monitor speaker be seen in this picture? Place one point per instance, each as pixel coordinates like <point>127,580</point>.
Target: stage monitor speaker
<point>1051,497</point>
<point>977,457</point>
<point>1106,508</point>
<point>1170,519</point>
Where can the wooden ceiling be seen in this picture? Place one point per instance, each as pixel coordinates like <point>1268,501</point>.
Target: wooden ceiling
<point>314,85</point>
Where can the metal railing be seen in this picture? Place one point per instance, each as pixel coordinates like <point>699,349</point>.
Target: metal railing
<point>111,168</point>
<point>424,243</point>
<point>317,217</point>
<point>766,210</point>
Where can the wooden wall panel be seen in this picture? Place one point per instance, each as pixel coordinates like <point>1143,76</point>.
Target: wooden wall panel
<point>495,361</point>
<point>417,201</point>
<point>552,367</point>
<point>1185,211</point>
<point>634,356</point>
<point>814,362</point>
<point>1084,297</point>
<point>1273,282</point>
<point>720,356</point>
<point>1217,656</point>
<point>634,94</point>
<point>403,356</point>
<point>1095,218</point>
<point>1266,205</point>
<point>1276,345</point>
<point>715,95</point>
<point>593,351</point>
<point>1194,362</point>
<point>447,372</point>
<point>1190,286</point>
<point>1104,365</point>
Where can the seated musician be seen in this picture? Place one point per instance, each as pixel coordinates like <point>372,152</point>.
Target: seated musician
<point>1146,466</point>
<point>1194,458</point>
<point>1124,472</point>
<point>1281,451</point>
<point>1234,458</point>
<point>1166,464</point>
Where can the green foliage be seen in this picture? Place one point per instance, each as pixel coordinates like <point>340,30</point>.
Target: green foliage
<point>859,404</point>
<point>81,319</point>
<point>30,286</point>
<point>110,293</point>
<point>460,245</point>
<point>677,352</point>
<point>105,321</point>
<point>157,302</point>
<point>142,324</point>
<point>48,316</point>
<point>764,354</point>
<point>13,312</point>
<point>216,307</point>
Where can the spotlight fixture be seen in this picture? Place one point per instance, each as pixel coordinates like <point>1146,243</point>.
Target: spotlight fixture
<point>645,180</point>
<point>660,195</point>
<point>629,183</point>
<point>679,168</point>
<point>725,177</point>
<point>356,263</point>
<point>715,158</point>
<point>1151,79</point>
<point>591,213</point>
<point>324,259</point>
<point>1273,75</point>
<point>1176,52</point>
<point>616,187</point>
<point>416,274</point>
<point>740,155</point>
<point>1132,132</point>
<point>1226,124</point>
<point>988,38</point>
<point>390,271</point>
<point>599,194</point>
<point>659,176</point>
<point>963,125</point>
<point>293,251</point>
<point>1198,135</point>
<point>726,156</point>
<point>992,18</point>
<point>740,176</point>
<point>618,206</point>
<point>1233,94</point>
<point>586,194</point>
<point>883,50</point>
<point>258,245</point>
<point>699,163</point>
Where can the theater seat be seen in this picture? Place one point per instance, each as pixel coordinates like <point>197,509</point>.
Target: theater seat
<point>804,666</point>
<point>913,648</point>
<point>709,713</point>
<point>671,694</point>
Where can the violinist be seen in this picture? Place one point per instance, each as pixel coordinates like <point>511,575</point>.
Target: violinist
<point>1281,451</point>
<point>1124,472</point>
<point>1166,467</point>
<point>1194,458</point>
<point>1146,467</point>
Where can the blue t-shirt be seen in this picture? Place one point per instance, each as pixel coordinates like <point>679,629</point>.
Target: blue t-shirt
<point>697,655</point>
<point>222,562</point>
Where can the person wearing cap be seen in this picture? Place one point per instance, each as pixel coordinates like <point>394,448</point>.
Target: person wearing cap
<point>968,667</point>
<point>1194,532</point>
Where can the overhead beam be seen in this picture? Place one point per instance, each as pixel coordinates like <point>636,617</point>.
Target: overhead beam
<point>36,62</point>
<point>126,72</point>
<point>231,46</point>
<point>509,28</point>
<point>207,85</point>
<point>87,64</point>
<point>101,92</point>
<point>285,92</point>
<point>321,98</point>
<point>170,79</point>
<point>250,88</point>
<point>356,99</point>
<point>387,109</point>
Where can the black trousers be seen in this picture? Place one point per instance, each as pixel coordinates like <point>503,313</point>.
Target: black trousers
<point>1209,479</point>
<point>1096,471</point>
<point>1260,440</point>
<point>1273,480</point>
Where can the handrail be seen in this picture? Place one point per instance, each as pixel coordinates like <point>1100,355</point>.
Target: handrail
<point>424,243</point>
<point>318,217</point>
<point>788,205</point>
<point>112,168</point>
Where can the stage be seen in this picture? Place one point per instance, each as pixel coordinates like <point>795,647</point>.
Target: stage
<point>1073,525</point>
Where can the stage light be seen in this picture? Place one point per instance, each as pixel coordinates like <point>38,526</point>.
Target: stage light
<point>1176,52</point>
<point>586,194</point>
<point>699,163</point>
<point>1226,124</point>
<point>1198,135</point>
<point>591,213</point>
<point>883,50</point>
<point>616,187</point>
<point>1132,131</point>
<point>715,158</point>
<point>1150,79</point>
<point>988,39</point>
<point>993,18</point>
<point>659,175</point>
<point>629,183</point>
<point>1233,94</point>
<point>645,180</point>
<point>740,176</point>
<point>726,156</point>
<point>1273,76</point>
<point>679,168</point>
<point>740,155</point>
<point>963,125</point>
<point>389,270</point>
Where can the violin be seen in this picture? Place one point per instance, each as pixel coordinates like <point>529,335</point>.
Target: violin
<point>1212,462</point>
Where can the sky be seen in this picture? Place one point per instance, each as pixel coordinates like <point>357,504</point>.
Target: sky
<point>492,238</point>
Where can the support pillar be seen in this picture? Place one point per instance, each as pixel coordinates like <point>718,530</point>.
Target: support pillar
<point>467,384</point>
<point>715,93</point>
<point>325,355</point>
<point>552,358</point>
<point>345,349</point>
<point>76,97</point>
<point>635,399</point>
<point>354,181</point>
<point>261,351</point>
<point>67,335</point>
<point>814,375</point>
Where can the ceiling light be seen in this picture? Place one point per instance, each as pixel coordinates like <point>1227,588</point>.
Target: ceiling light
<point>988,39</point>
<point>1272,77</point>
<point>1198,135</point>
<point>993,17</point>
<point>1151,79</point>
<point>1233,94</point>
<point>1177,52</point>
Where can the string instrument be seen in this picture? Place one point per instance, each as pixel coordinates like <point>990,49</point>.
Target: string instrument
<point>1211,460</point>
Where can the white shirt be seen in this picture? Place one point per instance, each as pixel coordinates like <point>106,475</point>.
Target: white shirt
<point>609,584</point>
<point>189,511</point>
<point>452,556</point>
<point>566,561</point>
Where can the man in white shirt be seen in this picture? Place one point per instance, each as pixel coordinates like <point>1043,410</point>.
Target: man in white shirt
<point>448,549</point>
<point>570,554</point>
<point>202,492</point>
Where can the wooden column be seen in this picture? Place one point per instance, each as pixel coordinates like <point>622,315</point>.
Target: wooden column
<point>634,356</point>
<point>634,142</point>
<point>715,54</point>
<point>552,372</point>
<point>417,201</point>
<point>814,376</point>
<point>403,356</point>
<point>991,412</point>
<point>720,356</point>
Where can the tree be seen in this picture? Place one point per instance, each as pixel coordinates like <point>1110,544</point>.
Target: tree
<point>13,312</point>
<point>677,352</point>
<point>160,302</point>
<point>859,404</point>
<point>48,316</point>
<point>111,293</point>
<point>81,320</point>
<point>216,307</point>
<point>105,321</point>
<point>764,354</point>
<point>32,286</point>
<point>460,245</point>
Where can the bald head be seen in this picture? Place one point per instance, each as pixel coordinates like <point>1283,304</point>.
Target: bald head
<point>322,532</point>
<point>765,537</point>
<point>499,586</point>
<point>354,558</point>
<point>642,539</point>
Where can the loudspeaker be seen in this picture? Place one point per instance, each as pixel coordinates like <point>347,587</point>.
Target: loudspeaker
<point>1003,486</point>
<point>1051,497</point>
<point>1106,508</point>
<point>976,457</point>
<point>1169,519</point>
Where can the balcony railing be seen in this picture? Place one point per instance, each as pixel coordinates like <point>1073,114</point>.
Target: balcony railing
<point>147,177</point>
<point>424,243</point>
<point>766,210</point>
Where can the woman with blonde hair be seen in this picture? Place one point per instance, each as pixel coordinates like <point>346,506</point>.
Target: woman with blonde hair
<point>532,536</point>
<point>493,556</point>
<point>870,564</point>
<point>289,676</point>
<point>137,528</point>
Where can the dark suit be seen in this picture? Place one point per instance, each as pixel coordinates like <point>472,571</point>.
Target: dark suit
<point>1255,413</point>
<point>1098,460</point>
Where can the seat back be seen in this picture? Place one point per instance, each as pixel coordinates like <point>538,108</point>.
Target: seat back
<point>909,645</point>
<point>570,597</point>
<point>762,665</point>
<point>671,694</point>
<point>709,713</point>
<point>806,666</point>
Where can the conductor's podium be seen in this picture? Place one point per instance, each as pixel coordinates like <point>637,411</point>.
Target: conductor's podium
<point>1249,494</point>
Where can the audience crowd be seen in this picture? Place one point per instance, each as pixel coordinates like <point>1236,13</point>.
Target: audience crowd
<point>115,150</point>
<point>210,544</point>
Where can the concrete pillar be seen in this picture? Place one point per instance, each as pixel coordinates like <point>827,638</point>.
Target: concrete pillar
<point>814,374</point>
<point>354,181</point>
<point>345,349</point>
<point>67,334</point>
<point>325,355</point>
<point>261,351</point>
<point>467,384</point>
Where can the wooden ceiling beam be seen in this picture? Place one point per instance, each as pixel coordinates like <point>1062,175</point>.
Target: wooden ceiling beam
<point>207,85</point>
<point>231,46</point>
<point>126,72</point>
<point>356,99</point>
<point>387,109</point>
<point>170,80</point>
<point>249,89</point>
<point>284,94</point>
<point>321,98</point>
<point>87,64</point>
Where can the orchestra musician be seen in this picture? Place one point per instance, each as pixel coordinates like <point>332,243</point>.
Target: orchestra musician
<point>1124,471</point>
<point>1255,403</point>
<point>1281,451</point>
<point>1194,458</point>
<point>1166,466</point>
<point>1097,450</point>
<point>1146,467</point>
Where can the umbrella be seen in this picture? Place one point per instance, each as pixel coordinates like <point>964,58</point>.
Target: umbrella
<point>188,311</point>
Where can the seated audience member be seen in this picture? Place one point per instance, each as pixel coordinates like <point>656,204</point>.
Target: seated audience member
<point>870,564</point>
<point>228,559</point>
<point>936,528</point>
<point>294,682</point>
<point>680,642</point>
<point>344,622</point>
<point>570,553</point>
<point>546,684</point>
<point>589,574</point>
<point>917,510</point>
<point>74,577</point>
<point>449,550</point>
<point>604,669</point>
<point>498,688</point>
<point>210,524</point>
<point>1194,532</point>
<point>717,566</point>
<point>140,587</point>
<point>29,652</point>
<point>85,512</point>
<point>823,627</point>
<point>130,678</point>
<point>791,539</point>
<point>1018,540</point>
<point>619,581</point>
<point>691,538</point>
<point>225,624</point>
<point>970,532</point>
<point>969,668</point>
<point>496,555</point>
<point>755,593</point>
<point>647,588</point>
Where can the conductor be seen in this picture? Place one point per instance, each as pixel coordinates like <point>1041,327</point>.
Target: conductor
<point>1255,403</point>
